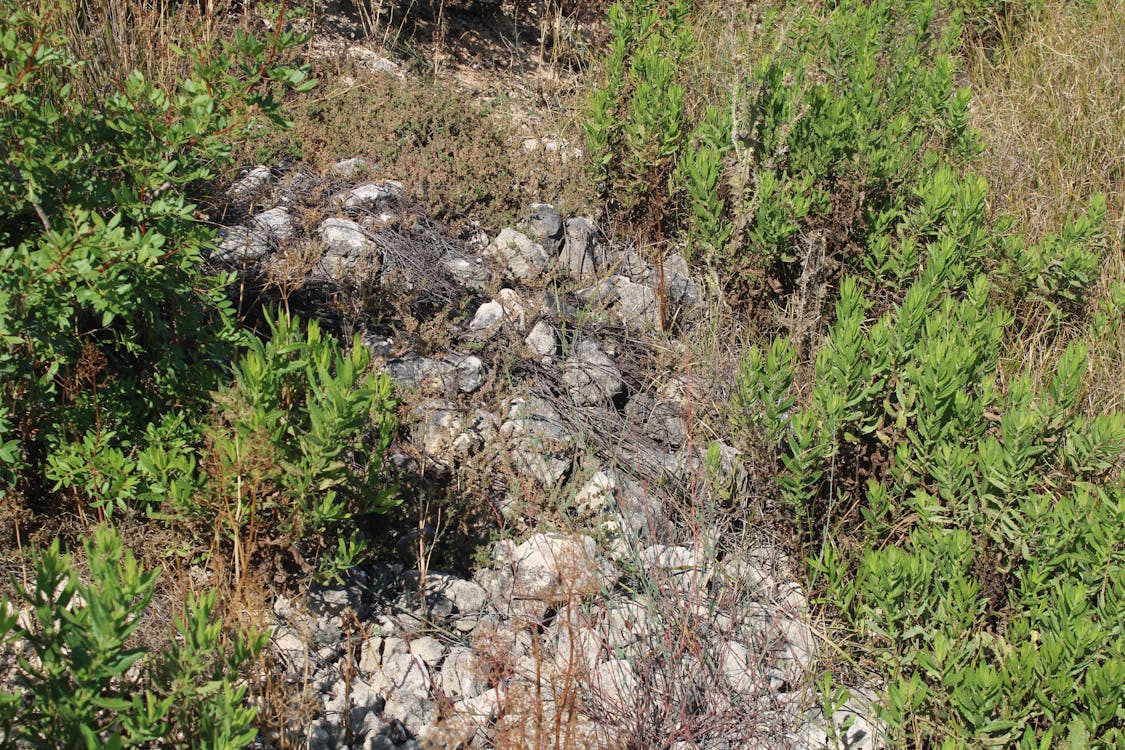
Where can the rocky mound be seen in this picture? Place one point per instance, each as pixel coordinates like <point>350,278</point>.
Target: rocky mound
<point>626,603</point>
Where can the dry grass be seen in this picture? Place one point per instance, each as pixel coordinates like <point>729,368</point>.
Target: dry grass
<point>1051,108</point>
<point>459,157</point>
<point>115,37</point>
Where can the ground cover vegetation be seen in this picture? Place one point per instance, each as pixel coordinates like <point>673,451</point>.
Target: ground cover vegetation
<point>913,210</point>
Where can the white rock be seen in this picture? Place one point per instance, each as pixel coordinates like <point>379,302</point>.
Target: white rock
<point>460,675</point>
<point>557,567</point>
<point>637,304</point>
<point>515,309</point>
<point>239,243</point>
<point>590,376</point>
<point>370,654</point>
<point>596,494</point>
<point>542,340</point>
<point>351,167</point>
<point>344,238</point>
<point>488,317</point>
<point>522,257</point>
<point>292,650</point>
<point>276,223</point>
<point>615,685</point>
<point>256,179</point>
<point>428,649</point>
<point>582,255</point>
<point>372,195</point>
<point>468,597</point>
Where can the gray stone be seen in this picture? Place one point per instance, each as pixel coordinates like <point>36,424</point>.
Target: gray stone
<point>277,224</point>
<point>370,654</point>
<point>320,737</point>
<point>544,225</point>
<point>542,340</point>
<point>615,685</point>
<point>332,600</point>
<point>677,569</point>
<point>460,675</point>
<point>854,725</point>
<point>596,494</point>
<point>351,167</point>
<point>557,567</point>
<point>656,418</point>
<point>408,682</point>
<point>373,195</point>
<point>632,265</point>
<point>379,346</point>
<point>546,469</point>
<point>740,672</point>
<point>251,183</point>
<point>470,371</point>
<point>467,597</point>
<point>628,623</point>
<point>366,723</point>
<point>522,257</point>
<point>590,376</point>
<point>468,272</point>
<point>515,308</point>
<point>293,651</point>
<point>538,444</point>
<point>465,372</point>
<point>488,317</point>
<point>598,296</point>
<point>582,255</point>
<point>378,742</point>
<point>637,304</point>
<point>428,649</point>
<point>535,418</point>
<point>238,244</point>
<point>344,239</point>
<point>681,288</point>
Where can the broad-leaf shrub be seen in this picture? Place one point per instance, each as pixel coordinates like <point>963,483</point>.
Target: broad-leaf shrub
<point>107,321</point>
<point>87,684</point>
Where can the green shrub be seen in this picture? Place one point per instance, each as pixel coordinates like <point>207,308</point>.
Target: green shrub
<point>88,684</point>
<point>836,130</point>
<point>956,515</point>
<point>296,448</point>
<point>636,129</point>
<point>107,320</point>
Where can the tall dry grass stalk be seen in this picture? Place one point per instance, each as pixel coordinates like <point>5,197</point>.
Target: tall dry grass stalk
<point>1051,107</point>
<point>115,37</point>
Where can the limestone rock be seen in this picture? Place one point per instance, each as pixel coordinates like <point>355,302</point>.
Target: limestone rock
<point>542,340</point>
<point>373,195</point>
<point>344,238</point>
<point>556,567</point>
<point>582,255</point>
<point>591,377</point>
<point>545,226</point>
<point>522,257</point>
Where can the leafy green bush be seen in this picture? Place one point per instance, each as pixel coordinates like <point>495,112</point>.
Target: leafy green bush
<point>963,521</point>
<point>635,131</point>
<point>87,685</point>
<point>107,321</point>
<point>835,131</point>
<point>958,516</point>
<point>297,447</point>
